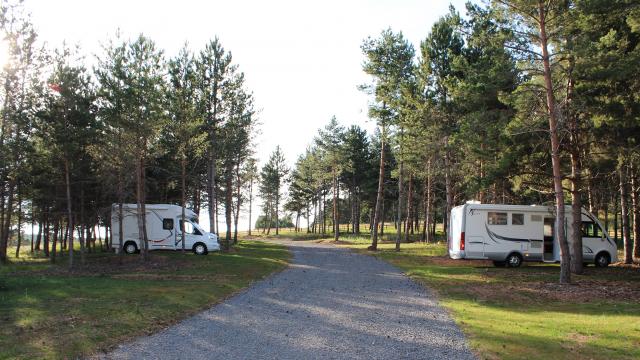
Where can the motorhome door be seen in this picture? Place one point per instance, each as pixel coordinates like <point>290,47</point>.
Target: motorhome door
<point>548,239</point>
<point>192,234</point>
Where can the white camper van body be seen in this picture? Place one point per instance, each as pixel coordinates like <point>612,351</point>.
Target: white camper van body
<point>510,234</point>
<point>163,229</point>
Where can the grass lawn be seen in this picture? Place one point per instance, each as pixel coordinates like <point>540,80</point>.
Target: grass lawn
<point>47,312</point>
<point>524,313</point>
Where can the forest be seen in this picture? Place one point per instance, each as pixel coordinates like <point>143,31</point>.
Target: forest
<point>516,102</point>
<point>512,102</point>
<point>348,253</point>
<point>136,127</point>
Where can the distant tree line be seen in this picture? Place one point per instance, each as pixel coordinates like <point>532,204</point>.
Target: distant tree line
<point>517,102</point>
<point>137,127</point>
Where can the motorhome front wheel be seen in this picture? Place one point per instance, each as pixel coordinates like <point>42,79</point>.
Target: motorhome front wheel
<point>200,249</point>
<point>602,260</point>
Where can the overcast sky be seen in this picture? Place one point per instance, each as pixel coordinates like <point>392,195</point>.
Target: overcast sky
<point>302,59</point>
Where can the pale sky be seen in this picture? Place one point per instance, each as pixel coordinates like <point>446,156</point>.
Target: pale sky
<point>301,59</point>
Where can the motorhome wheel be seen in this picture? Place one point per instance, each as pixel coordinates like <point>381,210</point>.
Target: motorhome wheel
<point>200,249</point>
<point>514,260</point>
<point>602,260</point>
<point>130,248</point>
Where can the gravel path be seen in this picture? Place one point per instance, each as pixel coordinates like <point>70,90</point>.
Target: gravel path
<point>331,303</point>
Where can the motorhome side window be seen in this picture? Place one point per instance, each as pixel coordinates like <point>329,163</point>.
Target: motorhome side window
<point>517,219</point>
<point>497,218</point>
<point>188,228</point>
<point>167,224</point>
<point>590,229</point>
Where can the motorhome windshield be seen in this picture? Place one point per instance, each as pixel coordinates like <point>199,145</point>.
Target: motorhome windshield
<point>196,225</point>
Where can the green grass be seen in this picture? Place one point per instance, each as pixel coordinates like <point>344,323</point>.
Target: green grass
<point>46,312</point>
<point>523,313</point>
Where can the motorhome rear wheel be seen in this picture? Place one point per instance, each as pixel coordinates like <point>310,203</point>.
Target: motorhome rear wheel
<point>130,247</point>
<point>514,260</point>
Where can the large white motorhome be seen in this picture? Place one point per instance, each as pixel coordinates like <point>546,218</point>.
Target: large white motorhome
<point>511,234</point>
<point>164,229</point>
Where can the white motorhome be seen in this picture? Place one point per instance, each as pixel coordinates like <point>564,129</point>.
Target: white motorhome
<point>164,229</point>
<point>511,234</point>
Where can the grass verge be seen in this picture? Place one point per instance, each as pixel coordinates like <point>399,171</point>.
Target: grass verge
<point>47,312</point>
<point>524,313</point>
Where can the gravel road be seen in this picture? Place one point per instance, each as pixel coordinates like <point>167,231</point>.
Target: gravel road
<point>331,303</point>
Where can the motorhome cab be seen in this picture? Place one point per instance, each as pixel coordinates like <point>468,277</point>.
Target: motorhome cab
<point>511,234</point>
<point>164,229</point>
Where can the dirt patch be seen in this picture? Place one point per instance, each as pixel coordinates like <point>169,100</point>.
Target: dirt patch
<point>171,277</point>
<point>332,242</point>
<point>447,261</point>
<point>577,341</point>
<point>580,291</point>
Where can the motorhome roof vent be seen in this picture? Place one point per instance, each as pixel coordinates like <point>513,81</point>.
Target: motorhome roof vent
<point>473,202</point>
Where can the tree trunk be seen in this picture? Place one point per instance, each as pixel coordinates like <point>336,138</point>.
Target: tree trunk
<point>46,233</point>
<point>120,221</point>
<point>39,237</point>
<point>615,217</point>
<point>228,204</point>
<point>144,211</point>
<point>69,212</point>
<point>448,191</point>
<point>409,223</point>
<point>400,198</point>
<point>82,227</point>
<point>565,273</point>
<point>140,209</point>
<point>315,215</point>
<point>55,242</point>
<point>445,216</point>
<point>323,209</point>
<point>269,217</point>
<point>66,237</point>
<point>238,204</point>
<point>277,210</point>
<point>19,223</point>
<point>358,212</point>
<point>626,235</point>
<point>183,201</point>
<point>606,218</point>
<point>251,204</point>
<point>4,241</point>
<point>217,203</point>
<point>423,236</point>
<point>429,215</point>
<point>336,221</point>
<point>211,191</point>
<point>380,196</point>
<point>352,208</point>
<point>576,176</point>
<point>635,204</point>
<point>32,228</point>
<point>307,216</point>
